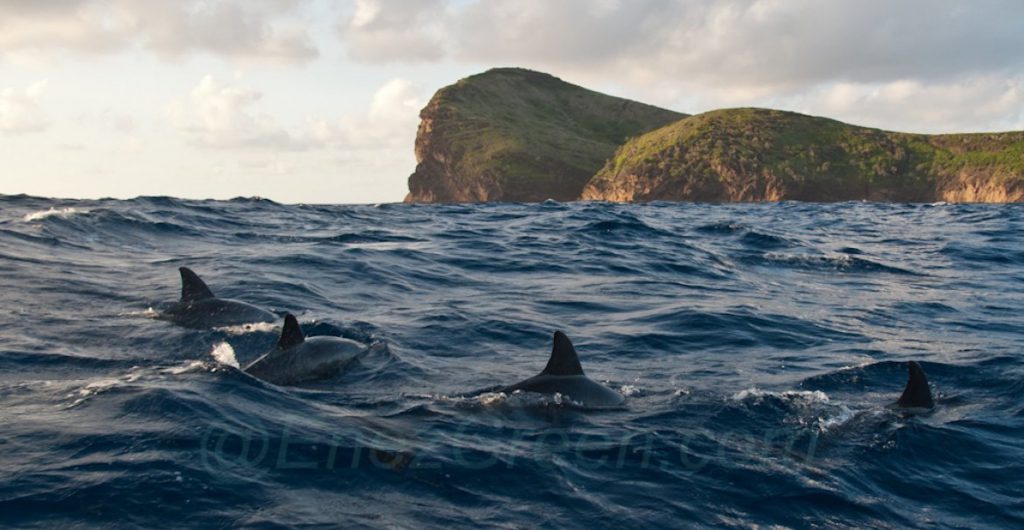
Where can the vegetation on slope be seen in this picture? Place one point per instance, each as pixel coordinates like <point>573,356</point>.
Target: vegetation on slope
<point>510,134</point>
<point>760,154</point>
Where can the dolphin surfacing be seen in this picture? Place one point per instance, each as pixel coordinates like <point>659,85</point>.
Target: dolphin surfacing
<point>198,308</point>
<point>564,375</point>
<point>297,359</point>
<point>917,394</point>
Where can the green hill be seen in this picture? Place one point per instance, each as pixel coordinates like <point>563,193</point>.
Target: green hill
<point>510,134</point>
<point>768,155</point>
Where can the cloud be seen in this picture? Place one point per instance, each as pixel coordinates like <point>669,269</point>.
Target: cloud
<point>117,121</point>
<point>361,157</point>
<point>390,122</point>
<point>395,106</point>
<point>251,30</point>
<point>395,30</point>
<point>108,120</point>
<point>226,116</point>
<point>20,112</point>
<point>731,42</point>
<point>698,54</point>
<point>219,115</point>
<point>939,107</point>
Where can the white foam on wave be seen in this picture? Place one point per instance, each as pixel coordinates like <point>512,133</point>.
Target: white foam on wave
<point>61,212</point>
<point>630,390</point>
<point>492,398</point>
<point>242,329</point>
<point>814,409</point>
<point>833,259</point>
<point>520,398</point>
<point>188,367</point>
<point>804,396</point>
<point>843,415</point>
<point>149,312</point>
<point>224,354</point>
<point>862,364</point>
<point>100,385</point>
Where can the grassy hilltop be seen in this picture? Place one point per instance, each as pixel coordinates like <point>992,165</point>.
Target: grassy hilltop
<point>510,134</point>
<point>768,155</point>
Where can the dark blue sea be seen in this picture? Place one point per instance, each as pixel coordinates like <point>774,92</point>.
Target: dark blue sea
<point>759,347</point>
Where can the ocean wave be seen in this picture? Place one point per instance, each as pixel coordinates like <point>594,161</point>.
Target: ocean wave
<point>806,409</point>
<point>722,227</point>
<point>760,348</point>
<point>836,262</point>
<point>63,213</point>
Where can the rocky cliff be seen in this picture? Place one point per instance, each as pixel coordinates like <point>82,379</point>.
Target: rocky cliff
<point>510,134</point>
<point>768,155</point>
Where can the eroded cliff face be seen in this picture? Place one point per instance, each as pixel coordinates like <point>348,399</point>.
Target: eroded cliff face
<point>519,136</point>
<point>725,184</point>
<point>968,186</point>
<point>975,186</point>
<point>745,155</point>
<point>438,177</point>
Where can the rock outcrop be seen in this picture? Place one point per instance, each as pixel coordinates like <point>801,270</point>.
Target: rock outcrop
<point>739,155</point>
<point>513,135</point>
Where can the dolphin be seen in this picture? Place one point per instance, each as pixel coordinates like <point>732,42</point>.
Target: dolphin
<point>917,394</point>
<point>297,359</point>
<point>564,375</point>
<point>200,309</point>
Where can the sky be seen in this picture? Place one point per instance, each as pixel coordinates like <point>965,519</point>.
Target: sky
<point>314,101</point>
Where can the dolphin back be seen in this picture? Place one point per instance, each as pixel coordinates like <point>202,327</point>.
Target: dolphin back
<point>564,360</point>
<point>193,288</point>
<point>314,359</point>
<point>297,359</point>
<point>200,309</point>
<point>291,333</point>
<point>917,393</point>
<point>578,388</point>
<point>564,375</point>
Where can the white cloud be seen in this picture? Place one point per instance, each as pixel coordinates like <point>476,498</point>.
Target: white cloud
<point>390,122</point>
<point>220,115</point>
<point>118,121</point>
<point>251,30</point>
<point>373,153</point>
<point>395,106</point>
<point>227,116</point>
<point>404,30</point>
<point>695,55</point>
<point>108,119</point>
<point>20,111</point>
<point>734,42</point>
<point>939,107</point>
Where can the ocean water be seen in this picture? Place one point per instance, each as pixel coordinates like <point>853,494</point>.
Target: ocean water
<point>759,347</point>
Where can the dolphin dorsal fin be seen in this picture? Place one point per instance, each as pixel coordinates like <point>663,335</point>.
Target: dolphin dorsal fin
<point>917,393</point>
<point>563,358</point>
<point>193,288</point>
<point>291,334</point>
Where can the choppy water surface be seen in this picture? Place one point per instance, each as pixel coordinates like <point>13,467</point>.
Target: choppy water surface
<point>758,347</point>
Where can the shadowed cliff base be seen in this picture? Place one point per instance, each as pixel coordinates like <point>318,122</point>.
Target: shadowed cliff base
<point>515,135</point>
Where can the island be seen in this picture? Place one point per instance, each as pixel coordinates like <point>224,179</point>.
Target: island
<point>516,135</point>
